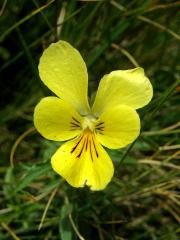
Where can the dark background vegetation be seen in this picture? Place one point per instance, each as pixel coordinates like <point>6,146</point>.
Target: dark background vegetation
<point>142,200</point>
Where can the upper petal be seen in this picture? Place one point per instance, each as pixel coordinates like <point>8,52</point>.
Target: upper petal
<point>127,87</point>
<point>83,161</point>
<point>64,72</point>
<point>56,120</point>
<point>117,127</point>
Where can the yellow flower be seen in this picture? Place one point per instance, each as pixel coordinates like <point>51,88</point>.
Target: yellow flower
<point>112,121</point>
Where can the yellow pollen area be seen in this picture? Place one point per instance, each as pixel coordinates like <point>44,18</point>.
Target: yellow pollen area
<point>88,123</point>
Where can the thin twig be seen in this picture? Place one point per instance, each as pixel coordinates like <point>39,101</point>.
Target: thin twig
<point>161,132</point>
<point>173,213</point>
<point>25,19</point>
<point>72,221</point>
<point>127,54</point>
<point>159,163</point>
<point>10,231</point>
<point>160,26</point>
<point>147,20</point>
<point>171,127</point>
<point>47,207</point>
<point>177,146</point>
<point>163,6</point>
<point>17,142</point>
<point>60,19</point>
<point>177,153</point>
<point>75,228</point>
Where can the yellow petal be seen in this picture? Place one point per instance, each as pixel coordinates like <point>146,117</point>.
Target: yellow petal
<point>126,87</point>
<point>117,127</point>
<point>64,72</point>
<point>56,120</point>
<point>83,161</point>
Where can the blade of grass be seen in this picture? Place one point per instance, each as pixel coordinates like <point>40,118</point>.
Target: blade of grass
<point>38,41</point>
<point>33,173</point>
<point>17,24</point>
<point>3,7</point>
<point>28,55</point>
<point>43,15</point>
<point>147,20</point>
<point>96,53</point>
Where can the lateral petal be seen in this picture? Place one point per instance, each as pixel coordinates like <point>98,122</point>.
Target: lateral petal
<point>118,127</point>
<point>56,120</point>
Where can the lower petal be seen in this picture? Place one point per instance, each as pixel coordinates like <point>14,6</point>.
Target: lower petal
<point>83,161</point>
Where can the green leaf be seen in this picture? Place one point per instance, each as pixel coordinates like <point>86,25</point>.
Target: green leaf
<point>65,228</point>
<point>31,175</point>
